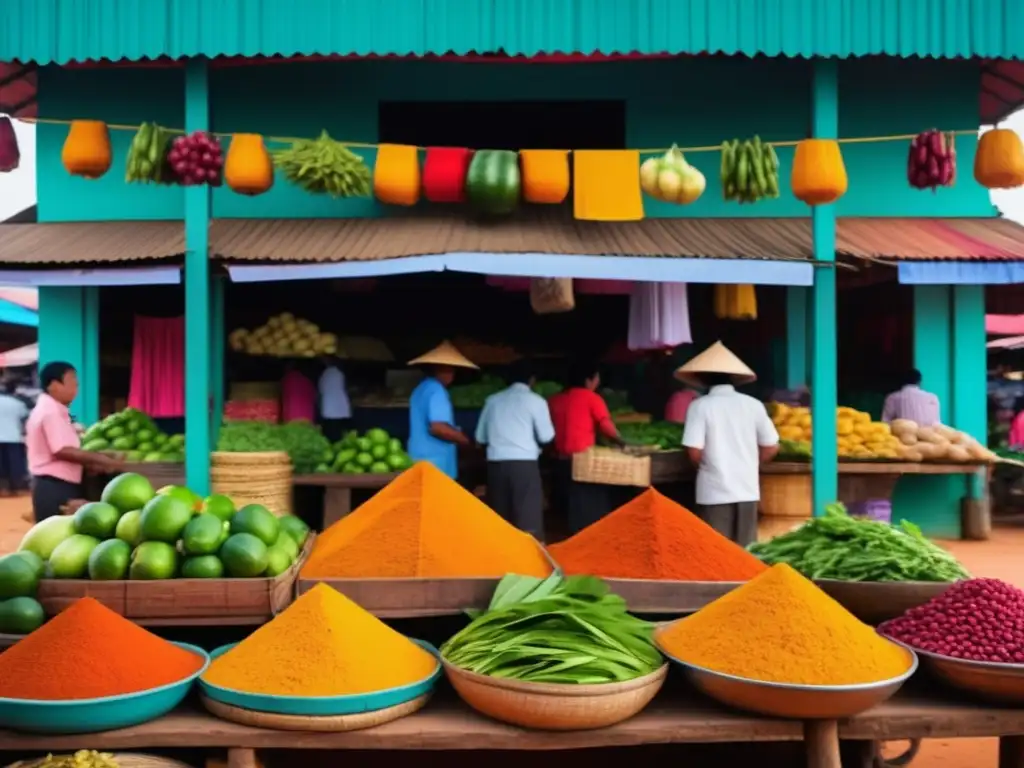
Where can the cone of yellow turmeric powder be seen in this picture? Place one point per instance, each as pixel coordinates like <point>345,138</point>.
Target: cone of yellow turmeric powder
<point>323,655</point>
<point>781,628</point>
<point>424,525</point>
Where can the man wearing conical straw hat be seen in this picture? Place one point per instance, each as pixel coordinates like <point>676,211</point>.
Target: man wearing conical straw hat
<point>433,435</point>
<point>728,435</point>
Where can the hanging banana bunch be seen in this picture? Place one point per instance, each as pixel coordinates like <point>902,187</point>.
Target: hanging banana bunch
<point>735,302</point>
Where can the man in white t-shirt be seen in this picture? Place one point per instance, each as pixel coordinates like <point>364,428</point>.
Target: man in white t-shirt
<point>335,408</point>
<point>728,435</point>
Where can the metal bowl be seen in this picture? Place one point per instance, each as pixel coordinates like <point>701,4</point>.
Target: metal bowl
<point>801,702</point>
<point>996,682</point>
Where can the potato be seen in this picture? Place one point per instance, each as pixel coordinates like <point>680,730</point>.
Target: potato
<point>927,435</point>
<point>907,437</point>
<point>957,453</point>
<point>930,451</point>
<point>912,454</point>
<point>899,425</point>
<point>945,431</point>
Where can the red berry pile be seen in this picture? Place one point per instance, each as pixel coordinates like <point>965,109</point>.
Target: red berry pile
<point>196,159</point>
<point>979,620</point>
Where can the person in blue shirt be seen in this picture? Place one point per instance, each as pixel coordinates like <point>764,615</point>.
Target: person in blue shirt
<point>433,435</point>
<point>514,425</point>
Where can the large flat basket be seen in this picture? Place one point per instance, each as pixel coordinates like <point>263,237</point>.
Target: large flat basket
<point>608,466</point>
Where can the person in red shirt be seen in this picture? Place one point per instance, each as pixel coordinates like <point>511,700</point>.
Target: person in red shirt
<point>579,414</point>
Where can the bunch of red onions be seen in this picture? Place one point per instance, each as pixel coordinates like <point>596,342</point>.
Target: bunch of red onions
<point>196,158</point>
<point>931,161</point>
<point>978,620</point>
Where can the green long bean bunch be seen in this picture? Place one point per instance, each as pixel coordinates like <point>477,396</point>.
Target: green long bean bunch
<point>838,546</point>
<point>555,630</point>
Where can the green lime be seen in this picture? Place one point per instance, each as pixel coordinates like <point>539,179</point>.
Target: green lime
<point>129,527</point>
<point>145,448</point>
<point>114,432</point>
<point>379,468</point>
<point>127,492</point>
<point>220,505</point>
<point>395,446</point>
<point>363,444</point>
<point>364,459</point>
<point>379,451</point>
<point>109,561</point>
<point>377,436</point>
<point>153,560</point>
<point>97,518</point>
<point>164,518</point>
<point>202,535</point>
<point>396,462</point>
<point>183,493</point>
<point>19,576</point>
<point>225,532</point>
<point>278,561</point>
<point>34,560</point>
<point>159,438</point>
<point>21,615</point>
<point>70,560</point>
<point>257,520</point>
<point>295,527</point>
<point>43,537</point>
<point>244,555</point>
<point>125,443</point>
<point>202,567</point>
<point>287,543</point>
<point>144,435</point>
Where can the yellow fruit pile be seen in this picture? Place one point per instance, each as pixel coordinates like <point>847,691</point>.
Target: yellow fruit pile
<point>858,436</point>
<point>284,336</point>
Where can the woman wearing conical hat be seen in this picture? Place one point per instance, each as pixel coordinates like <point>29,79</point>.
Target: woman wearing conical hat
<point>433,435</point>
<point>728,435</point>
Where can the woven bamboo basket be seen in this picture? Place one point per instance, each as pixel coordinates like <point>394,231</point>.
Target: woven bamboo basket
<point>786,496</point>
<point>265,479</point>
<point>124,760</point>
<point>608,466</point>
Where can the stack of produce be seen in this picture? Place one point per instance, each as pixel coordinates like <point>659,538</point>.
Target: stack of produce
<point>749,170</point>
<point>83,758</point>
<point>375,452</point>
<point>652,537</point>
<point>858,436</point>
<point>977,620</point>
<point>20,612</point>
<point>931,162</point>
<point>284,335</point>
<point>303,442</point>
<point>664,434</point>
<point>780,628</point>
<point>323,644</point>
<point>323,166</point>
<point>938,443</point>
<point>137,435</point>
<point>423,524</point>
<point>837,546</point>
<point>473,396</point>
<point>89,652</point>
<point>136,533</point>
<point>555,630</point>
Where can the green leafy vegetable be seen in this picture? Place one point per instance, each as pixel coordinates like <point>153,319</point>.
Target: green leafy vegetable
<point>302,441</point>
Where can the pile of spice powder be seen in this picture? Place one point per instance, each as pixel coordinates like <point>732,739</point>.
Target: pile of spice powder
<point>780,628</point>
<point>323,644</point>
<point>424,525</point>
<point>653,537</point>
<point>88,651</point>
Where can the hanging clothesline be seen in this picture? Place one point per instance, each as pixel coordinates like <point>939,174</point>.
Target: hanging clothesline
<point>645,151</point>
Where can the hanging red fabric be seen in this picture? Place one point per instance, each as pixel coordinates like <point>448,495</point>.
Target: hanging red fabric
<point>158,367</point>
<point>444,174</point>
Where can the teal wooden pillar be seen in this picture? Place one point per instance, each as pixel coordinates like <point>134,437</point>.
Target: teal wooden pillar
<point>970,386</point>
<point>69,331</point>
<point>824,387</point>
<point>933,343</point>
<point>796,337</point>
<point>197,294</point>
<point>217,341</point>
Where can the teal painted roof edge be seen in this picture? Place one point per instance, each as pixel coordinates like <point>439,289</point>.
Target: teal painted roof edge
<point>63,31</point>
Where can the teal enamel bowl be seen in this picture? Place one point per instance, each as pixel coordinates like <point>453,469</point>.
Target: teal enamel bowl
<point>103,714</point>
<point>322,706</point>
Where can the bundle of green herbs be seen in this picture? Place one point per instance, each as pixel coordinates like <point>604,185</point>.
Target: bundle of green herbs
<point>555,630</point>
<point>303,442</point>
<point>838,546</point>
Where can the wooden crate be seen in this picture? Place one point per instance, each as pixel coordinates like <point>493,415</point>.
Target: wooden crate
<point>184,602</point>
<point>413,598</point>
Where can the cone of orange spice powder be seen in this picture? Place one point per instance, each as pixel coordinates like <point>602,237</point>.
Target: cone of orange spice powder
<point>88,652</point>
<point>654,538</point>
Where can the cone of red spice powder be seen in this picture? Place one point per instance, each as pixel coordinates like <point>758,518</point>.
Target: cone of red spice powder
<point>88,652</point>
<point>654,538</point>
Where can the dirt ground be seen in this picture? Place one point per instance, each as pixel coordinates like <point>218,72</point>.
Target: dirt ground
<point>1002,557</point>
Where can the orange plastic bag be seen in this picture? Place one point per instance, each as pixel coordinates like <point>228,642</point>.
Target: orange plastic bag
<point>545,175</point>
<point>396,174</point>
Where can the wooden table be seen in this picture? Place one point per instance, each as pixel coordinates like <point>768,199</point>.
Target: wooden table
<point>338,490</point>
<point>448,724</point>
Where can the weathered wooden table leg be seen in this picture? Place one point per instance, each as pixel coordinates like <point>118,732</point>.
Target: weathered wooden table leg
<point>1011,752</point>
<point>821,742</point>
<point>857,754</point>
<point>243,758</point>
<point>337,504</point>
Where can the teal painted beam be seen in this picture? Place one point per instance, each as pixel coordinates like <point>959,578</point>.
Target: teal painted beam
<point>824,386</point>
<point>796,337</point>
<point>218,337</point>
<point>970,388</point>
<point>197,295</point>
<point>933,343</point>
<point>89,373</point>
<point>69,332</point>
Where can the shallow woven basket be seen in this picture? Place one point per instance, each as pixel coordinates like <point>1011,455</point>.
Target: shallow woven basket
<point>259,473</point>
<point>124,760</point>
<point>225,458</point>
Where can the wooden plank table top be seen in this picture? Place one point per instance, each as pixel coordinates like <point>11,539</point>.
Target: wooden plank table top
<point>338,480</point>
<point>877,468</point>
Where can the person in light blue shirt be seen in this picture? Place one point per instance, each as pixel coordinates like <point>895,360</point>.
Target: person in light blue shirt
<point>433,435</point>
<point>514,425</point>
<point>13,464</point>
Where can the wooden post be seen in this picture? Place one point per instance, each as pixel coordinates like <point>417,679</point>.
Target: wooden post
<point>218,339</point>
<point>824,387</point>
<point>821,740</point>
<point>197,294</point>
<point>796,336</point>
<point>243,758</point>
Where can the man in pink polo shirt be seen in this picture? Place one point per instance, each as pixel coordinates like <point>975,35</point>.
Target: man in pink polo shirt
<point>55,458</point>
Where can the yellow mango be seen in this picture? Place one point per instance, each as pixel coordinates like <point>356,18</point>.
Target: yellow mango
<point>844,426</point>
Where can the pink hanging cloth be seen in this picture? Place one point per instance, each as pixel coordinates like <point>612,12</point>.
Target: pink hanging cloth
<point>659,316</point>
<point>298,398</point>
<point>158,367</point>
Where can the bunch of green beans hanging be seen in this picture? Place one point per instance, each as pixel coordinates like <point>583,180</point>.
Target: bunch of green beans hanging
<point>555,630</point>
<point>838,546</point>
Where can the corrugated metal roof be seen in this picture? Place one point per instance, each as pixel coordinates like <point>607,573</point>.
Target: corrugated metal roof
<point>93,242</point>
<point>330,240</point>
<point>59,31</point>
<point>905,239</point>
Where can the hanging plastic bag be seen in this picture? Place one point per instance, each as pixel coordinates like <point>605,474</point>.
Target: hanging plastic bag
<point>549,295</point>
